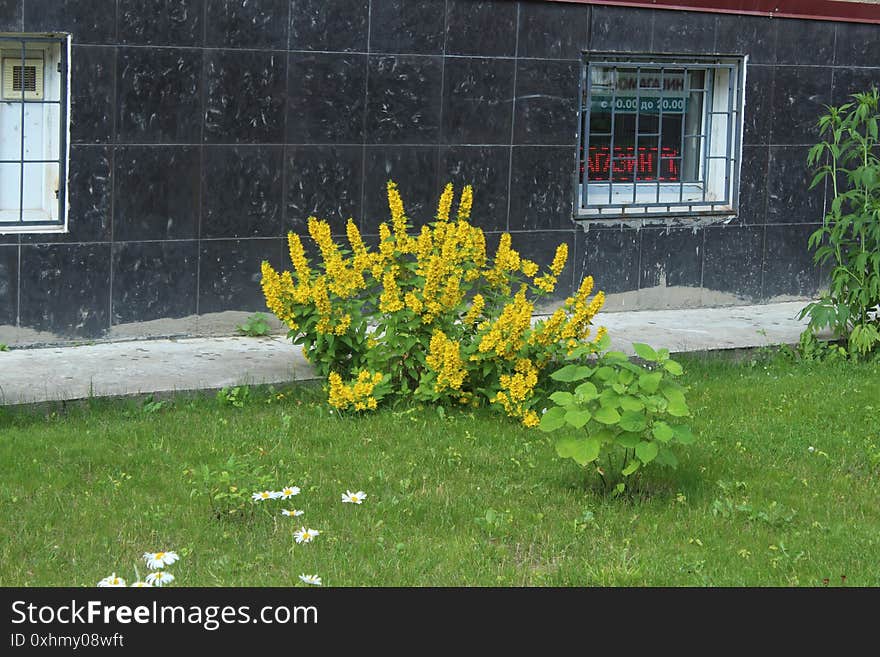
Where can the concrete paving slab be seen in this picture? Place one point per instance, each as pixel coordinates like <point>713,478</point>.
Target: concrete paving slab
<point>153,366</point>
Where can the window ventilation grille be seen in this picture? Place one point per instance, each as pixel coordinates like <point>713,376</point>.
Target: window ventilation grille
<point>15,76</point>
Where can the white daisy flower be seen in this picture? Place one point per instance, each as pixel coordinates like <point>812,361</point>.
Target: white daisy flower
<point>265,495</point>
<point>288,492</point>
<point>303,535</point>
<point>141,585</point>
<point>157,560</point>
<point>311,579</point>
<point>112,581</point>
<point>292,512</point>
<point>354,498</point>
<point>159,579</point>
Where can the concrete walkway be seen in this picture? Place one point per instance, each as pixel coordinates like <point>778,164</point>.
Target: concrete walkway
<point>125,368</point>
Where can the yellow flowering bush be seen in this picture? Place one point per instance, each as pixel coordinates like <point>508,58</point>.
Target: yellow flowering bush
<point>428,315</point>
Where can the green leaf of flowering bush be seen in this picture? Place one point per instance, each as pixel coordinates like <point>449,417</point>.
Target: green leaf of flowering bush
<point>631,467</point>
<point>553,419</point>
<point>578,418</point>
<point>606,415</point>
<point>582,450</point>
<point>587,391</point>
<point>633,421</point>
<point>628,440</point>
<point>683,434</point>
<point>673,368</point>
<point>662,431</point>
<point>571,373</point>
<point>645,352</point>
<point>647,452</point>
<point>562,398</point>
<point>650,382</point>
<point>630,403</point>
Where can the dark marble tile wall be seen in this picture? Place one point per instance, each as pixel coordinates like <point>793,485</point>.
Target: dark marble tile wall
<point>203,130</point>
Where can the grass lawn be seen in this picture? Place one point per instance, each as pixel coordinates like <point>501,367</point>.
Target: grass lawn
<point>465,499</point>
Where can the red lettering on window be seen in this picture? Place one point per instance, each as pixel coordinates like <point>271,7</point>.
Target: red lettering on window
<point>643,163</point>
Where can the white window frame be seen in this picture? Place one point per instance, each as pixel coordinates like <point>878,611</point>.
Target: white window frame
<point>716,189</point>
<point>35,135</point>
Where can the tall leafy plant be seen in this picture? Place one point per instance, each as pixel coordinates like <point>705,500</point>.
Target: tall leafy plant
<point>849,238</point>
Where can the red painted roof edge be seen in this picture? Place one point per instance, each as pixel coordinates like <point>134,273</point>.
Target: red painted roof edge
<point>829,10</point>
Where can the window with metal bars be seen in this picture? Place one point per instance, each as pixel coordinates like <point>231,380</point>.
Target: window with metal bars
<point>34,111</point>
<point>659,135</point>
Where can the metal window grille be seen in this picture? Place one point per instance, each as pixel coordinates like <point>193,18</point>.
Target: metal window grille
<point>24,80</point>
<point>658,135</point>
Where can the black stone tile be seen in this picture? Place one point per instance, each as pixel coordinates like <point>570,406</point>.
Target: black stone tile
<point>407,26</point>
<point>324,182</point>
<point>546,102</point>
<point>540,247</point>
<point>683,32</point>
<point>161,22</point>
<point>245,97</point>
<point>790,201</point>
<point>242,191</point>
<point>553,30</point>
<point>481,27</point>
<point>541,192</point>
<point>671,257</point>
<point>64,289</point>
<point>414,169</point>
<point>10,15</point>
<point>156,193</point>
<point>8,284</point>
<point>856,44</point>
<point>799,96</point>
<point>258,24</point>
<point>611,257</point>
<point>848,81</point>
<point>486,169</point>
<point>733,260</point>
<point>804,42</point>
<point>789,269</point>
<point>477,101</point>
<point>230,273</point>
<point>158,95</point>
<point>758,115</point>
<point>754,36</point>
<point>154,280</point>
<point>753,185</point>
<point>90,188</point>
<point>327,98</point>
<point>621,29</point>
<point>403,99</point>
<point>92,80</point>
<point>340,26</point>
<point>89,22</point>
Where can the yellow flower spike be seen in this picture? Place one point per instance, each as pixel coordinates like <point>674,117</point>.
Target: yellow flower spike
<point>528,267</point>
<point>398,218</point>
<point>531,419</point>
<point>476,310</point>
<point>444,358</point>
<point>358,250</point>
<point>586,288</point>
<point>413,303</point>
<point>298,258</point>
<point>546,283</point>
<point>445,204</point>
<point>389,301</point>
<point>465,203</point>
<point>559,259</point>
<point>424,245</point>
